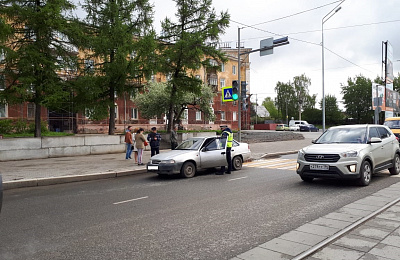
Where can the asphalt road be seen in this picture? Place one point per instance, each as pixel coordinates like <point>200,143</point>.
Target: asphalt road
<point>147,217</point>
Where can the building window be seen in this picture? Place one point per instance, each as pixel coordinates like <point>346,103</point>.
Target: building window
<point>134,113</point>
<point>222,67</point>
<point>3,110</point>
<point>185,114</point>
<point>222,83</point>
<point>89,65</point>
<point>31,110</point>
<point>2,82</point>
<point>223,115</point>
<point>234,116</point>
<point>234,70</point>
<point>116,111</point>
<point>198,115</point>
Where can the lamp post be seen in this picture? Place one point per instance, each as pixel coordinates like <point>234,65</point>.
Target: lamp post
<point>326,18</point>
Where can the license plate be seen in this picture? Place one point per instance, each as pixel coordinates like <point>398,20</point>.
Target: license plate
<point>152,167</point>
<point>321,167</point>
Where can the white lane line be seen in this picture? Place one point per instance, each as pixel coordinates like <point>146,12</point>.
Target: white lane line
<point>238,178</point>
<point>115,203</point>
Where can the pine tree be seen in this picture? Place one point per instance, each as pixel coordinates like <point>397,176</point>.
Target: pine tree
<point>120,42</point>
<point>36,47</point>
<point>188,44</point>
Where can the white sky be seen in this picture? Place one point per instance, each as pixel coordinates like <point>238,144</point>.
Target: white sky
<point>355,33</point>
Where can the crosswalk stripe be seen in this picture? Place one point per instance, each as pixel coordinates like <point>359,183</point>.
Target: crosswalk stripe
<point>282,164</point>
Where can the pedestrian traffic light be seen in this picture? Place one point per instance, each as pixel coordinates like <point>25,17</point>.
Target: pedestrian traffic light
<point>235,89</point>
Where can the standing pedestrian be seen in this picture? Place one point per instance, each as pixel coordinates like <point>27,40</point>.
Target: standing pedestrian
<point>140,139</point>
<point>154,139</point>
<point>129,142</point>
<point>228,135</point>
<point>134,148</point>
<point>174,137</point>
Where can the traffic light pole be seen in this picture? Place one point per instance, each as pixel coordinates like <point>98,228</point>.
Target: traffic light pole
<point>240,92</point>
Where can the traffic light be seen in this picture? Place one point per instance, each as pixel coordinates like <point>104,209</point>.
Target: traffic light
<point>243,87</point>
<point>235,89</point>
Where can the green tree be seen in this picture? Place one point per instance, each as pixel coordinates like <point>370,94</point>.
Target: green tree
<point>155,99</point>
<point>357,99</point>
<point>269,104</point>
<point>121,43</point>
<point>34,38</point>
<point>304,100</point>
<point>285,99</point>
<point>186,45</point>
<point>333,115</point>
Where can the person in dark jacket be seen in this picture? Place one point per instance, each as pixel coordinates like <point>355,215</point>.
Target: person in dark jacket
<point>154,139</point>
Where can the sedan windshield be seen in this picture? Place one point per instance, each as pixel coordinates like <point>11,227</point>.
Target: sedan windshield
<point>344,135</point>
<point>190,144</point>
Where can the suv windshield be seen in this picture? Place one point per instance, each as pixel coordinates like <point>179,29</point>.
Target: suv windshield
<point>344,135</point>
<point>392,124</point>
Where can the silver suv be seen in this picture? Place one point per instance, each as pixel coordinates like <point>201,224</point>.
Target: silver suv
<point>350,152</point>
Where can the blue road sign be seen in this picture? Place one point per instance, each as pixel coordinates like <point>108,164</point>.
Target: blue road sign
<point>227,94</point>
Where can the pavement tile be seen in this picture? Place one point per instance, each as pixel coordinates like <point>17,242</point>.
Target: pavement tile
<point>356,212</point>
<point>333,252</point>
<point>387,251</point>
<point>358,243</point>
<point>368,256</point>
<point>393,239</point>
<point>395,216</point>
<point>374,200</point>
<point>318,230</point>
<point>342,216</point>
<point>371,208</point>
<point>383,223</point>
<point>333,223</point>
<point>395,209</point>
<point>259,253</point>
<point>303,238</point>
<point>388,193</point>
<point>285,246</point>
<point>370,232</point>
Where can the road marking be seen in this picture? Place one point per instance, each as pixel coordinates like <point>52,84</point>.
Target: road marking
<point>280,164</point>
<point>238,178</point>
<point>115,203</point>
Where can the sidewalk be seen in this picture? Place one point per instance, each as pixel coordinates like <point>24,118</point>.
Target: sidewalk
<point>363,230</point>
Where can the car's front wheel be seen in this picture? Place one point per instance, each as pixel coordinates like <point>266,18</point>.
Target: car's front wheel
<point>188,170</point>
<point>365,174</point>
<point>237,163</point>
<point>395,170</point>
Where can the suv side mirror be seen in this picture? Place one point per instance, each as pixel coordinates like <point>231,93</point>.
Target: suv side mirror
<point>374,140</point>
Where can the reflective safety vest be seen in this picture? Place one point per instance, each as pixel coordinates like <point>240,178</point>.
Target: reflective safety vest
<point>229,138</point>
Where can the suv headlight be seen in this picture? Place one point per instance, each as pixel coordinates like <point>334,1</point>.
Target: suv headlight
<point>300,154</point>
<point>349,154</point>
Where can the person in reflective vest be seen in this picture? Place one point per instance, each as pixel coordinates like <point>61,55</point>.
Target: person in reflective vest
<point>228,135</point>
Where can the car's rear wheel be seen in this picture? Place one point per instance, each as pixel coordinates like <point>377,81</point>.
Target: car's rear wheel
<point>365,174</point>
<point>395,170</point>
<point>188,170</point>
<point>307,179</point>
<point>237,163</point>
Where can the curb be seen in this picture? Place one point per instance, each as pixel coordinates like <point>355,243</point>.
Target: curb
<point>268,155</point>
<point>67,179</point>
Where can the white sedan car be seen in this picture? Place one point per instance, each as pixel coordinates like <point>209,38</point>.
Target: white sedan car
<point>198,153</point>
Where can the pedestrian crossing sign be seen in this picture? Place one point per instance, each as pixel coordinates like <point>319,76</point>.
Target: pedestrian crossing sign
<point>227,94</point>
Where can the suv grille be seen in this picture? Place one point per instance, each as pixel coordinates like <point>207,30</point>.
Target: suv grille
<point>322,157</point>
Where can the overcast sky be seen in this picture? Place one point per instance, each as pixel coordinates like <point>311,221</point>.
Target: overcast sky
<point>355,33</point>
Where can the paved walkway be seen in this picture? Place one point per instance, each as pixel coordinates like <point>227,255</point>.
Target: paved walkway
<point>363,230</point>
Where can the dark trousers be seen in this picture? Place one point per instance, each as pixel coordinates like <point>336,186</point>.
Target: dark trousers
<point>173,146</point>
<point>228,160</point>
<point>155,150</point>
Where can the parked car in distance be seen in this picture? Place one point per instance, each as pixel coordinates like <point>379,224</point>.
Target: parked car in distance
<point>198,153</point>
<point>282,127</point>
<point>294,125</point>
<point>350,152</point>
<point>308,128</point>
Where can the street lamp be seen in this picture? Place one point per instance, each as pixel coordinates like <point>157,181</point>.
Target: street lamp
<point>329,15</point>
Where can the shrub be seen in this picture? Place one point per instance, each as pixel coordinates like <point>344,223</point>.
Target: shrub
<point>6,126</point>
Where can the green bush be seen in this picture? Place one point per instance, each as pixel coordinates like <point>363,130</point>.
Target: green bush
<point>6,126</point>
<point>43,127</point>
<point>21,126</point>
